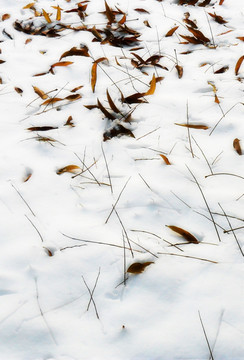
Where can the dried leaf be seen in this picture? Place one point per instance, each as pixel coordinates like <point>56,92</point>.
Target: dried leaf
<point>40,93</point>
<point>216,99</point>
<point>140,10</point>
<point>28,6</point>
<point>240,38</point>
<point>152,86</point>
<point>191,39</point>
<point>138,267</point>
<point>104,111</point>
<point>237,146</point>
<point>218,18</point>
<point>166,160</point>
<point>27,176</point>
<point>77,88</point>
<point>51,101</point>
<point>112,104</point>
<point>74,169</point>
<point>58,15</point>
<point>27,41</point>
<point>62,63</point>
<point>194,126</point>
<point>69,122</point>
<point>73,97</point>
<point>117,130</point>
<point>5,17</point>
<point>204,3</point>
<point>222,70</point>
<point>186,235</point>
<point>47,251</point>
<point>18,90</point>
<point>42,128</point>
<point>93,76</point>
<point>122,20</point>
<point>76,52</point>
<point>171,31</point>
<point>46,16</point>
<point>109,13</point>
<point>146,23</point>
<point>134,98</point>
<point>198,34</point>
<point>179,70</point>
<point>238,64</point>
<point>221,2</point>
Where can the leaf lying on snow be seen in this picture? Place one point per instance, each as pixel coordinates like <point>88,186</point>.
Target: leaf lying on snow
<point>46,16</point>
<point>238,64</point>
<point>117,130</point>
<point>83,51</point>
<point>179,70</point>
<point>73,97</point>
<point>171,31</point>
<point>138,267</point>
<point>62,63</point>
<point>42,128</point>
<point>152,86</point>
<point>166,160</point>
<point>74,169</point>
<point>237,146</point>
<point>40,93</point>
<point>194,126</point>
<point>51,101</point>
<point>186,235</point>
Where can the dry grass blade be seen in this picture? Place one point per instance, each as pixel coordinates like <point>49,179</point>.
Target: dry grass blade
<point>91,293</point>
<point>185,234</point>
<point>189,257</point>
<point>205,335</point>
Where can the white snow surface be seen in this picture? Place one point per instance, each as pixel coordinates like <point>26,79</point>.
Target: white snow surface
<point>46,310</point>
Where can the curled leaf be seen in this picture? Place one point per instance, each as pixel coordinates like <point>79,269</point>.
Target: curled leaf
<point>76,52</point>
<point>185,234</point>
<point>138,267</point>
<point>179,70</point>
<point>40,93</point>
<point>165,159</point>
<point>74,169</point>
<point>238,64</point>
<point>73,97</point>
<point>152,86</point>
<point>171,31</point>
<point>93,76</point>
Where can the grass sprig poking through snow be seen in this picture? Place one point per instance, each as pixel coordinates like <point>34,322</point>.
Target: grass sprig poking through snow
<point>91,293</point>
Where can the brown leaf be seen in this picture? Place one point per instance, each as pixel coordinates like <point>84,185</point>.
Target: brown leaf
<point>134,98</point>
<point>27,176</point>
<point>146,23</point>
<point>77,88</point>
<point>27,41</point>
<point>112,104</point>
<point>166,160</point>
<point>138,267</point>
<point>109,13</point>
<point>198,34</point>
<point>69,122</point>
<point>186,235</point>
<point>140,10</point>
<point>62,63</point>
<point>47,251</point>
<point>104,111</point>
<point>222,70</point>
<point>5,17</point>
<point>46,16</point>
<point>76,52</point>
<point>218,18</point>
<point>171,31</point>
<point>179,70</point>
<point>191,39</point>
<point>238,64</point>
<point>42,128</point>
<point>73,97</point>
<point>28,6</point>
<point>122,20</point>
<point>216,99</point>
<point>237,146</point>
<point>221,2</point>
<point>18,90</point>
<point>240,38</point>
<point>74,169</point>
<point>204,3</point>
<point>194,126</point>
<point>51,101</point>
<point>40,93</point>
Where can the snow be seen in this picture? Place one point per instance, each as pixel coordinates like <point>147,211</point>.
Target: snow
<point>57,235</point>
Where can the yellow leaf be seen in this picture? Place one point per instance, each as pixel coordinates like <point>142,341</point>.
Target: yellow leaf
<point>40,93</point>
<point>46,16</point>
<point>28,6</point>
<point>93,76</point>
<point>152,86</point>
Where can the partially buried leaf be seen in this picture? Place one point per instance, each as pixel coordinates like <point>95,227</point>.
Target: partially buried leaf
<point>109,13</point>
<point>104,111</point>
<point>134,98</point>
<point>194,126</point>
<point>237,146</point>
<point>112,104</point>
<point>138,267</point>
<point>76,52</point>
<point>5,17</point>
<point>40,93</point>
<point>222,70</point>
<point>77,88</point>
<point>18,90</point>
<point>74,169</point>
<point>69,122</point>
<point>218,18</point>
<point>171,31</point>
<point>238,64</point>
<point>166,160</point>
<point>240,38</point>
<point>47,251</point>
<point>117,130</point>
<point>62,63</point>
<point>27,176</point>
<point>28,6</point>
<point>185,234</point>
